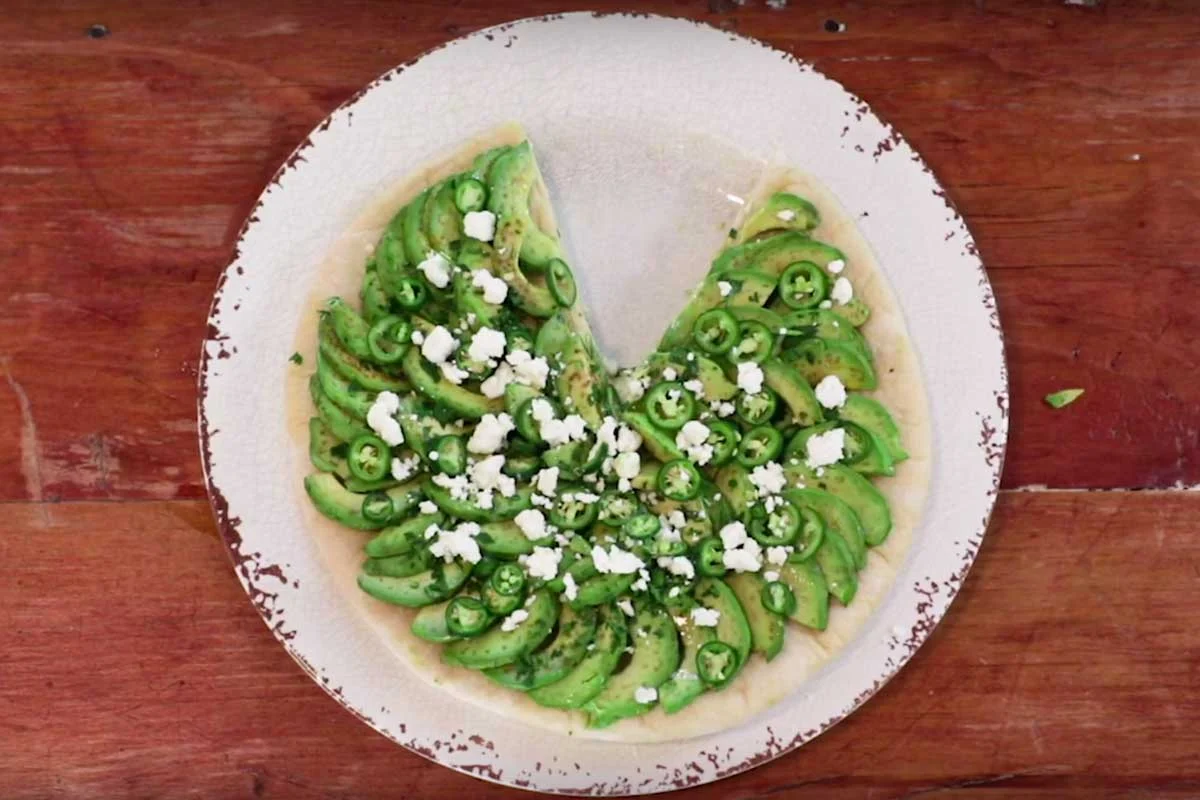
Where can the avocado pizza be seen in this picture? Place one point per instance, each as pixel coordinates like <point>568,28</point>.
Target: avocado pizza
<point>642,554</point>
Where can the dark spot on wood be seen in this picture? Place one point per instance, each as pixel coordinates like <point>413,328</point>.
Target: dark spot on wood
<point>258,786</point>
<point>98,31</point>
<point>720,6</point>
<point>833,26</point>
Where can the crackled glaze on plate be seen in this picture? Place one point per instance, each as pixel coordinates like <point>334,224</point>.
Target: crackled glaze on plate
<point>643,104</point>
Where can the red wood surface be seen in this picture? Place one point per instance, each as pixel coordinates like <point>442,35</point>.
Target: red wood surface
<point>132,666</point>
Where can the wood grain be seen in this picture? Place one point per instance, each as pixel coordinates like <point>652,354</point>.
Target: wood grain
<point>1065,134</point>
<point>133,666</point>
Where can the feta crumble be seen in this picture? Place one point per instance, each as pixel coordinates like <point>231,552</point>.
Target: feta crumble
<point>436,269</point>
<point>487,345</point>
<point>495,290</point>
<point>645,694</point>
<point>480,225</point>
<point>692,439</point>
<point>489,435</point>
<point>705,617</point>
<point>615,560</point>
<point>625,606</point>
<point>831,392</point>
<point>842,292</point>
<point>749,377</point>
<point>570,588</point>
<point>725,288</point>
<point>457,542</point>
<point>381,418</point>
<point>768,479</point>
<point>542,562</point>
<point>532,523</point>
<point>825,448</point>
<point>438,345</point>
<point>836,266</point>
<point>514,619</point>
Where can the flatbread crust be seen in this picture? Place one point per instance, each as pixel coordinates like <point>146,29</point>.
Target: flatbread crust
<point>761,685</point>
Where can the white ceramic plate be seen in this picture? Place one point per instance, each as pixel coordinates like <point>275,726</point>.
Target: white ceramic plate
<point>642,124</point>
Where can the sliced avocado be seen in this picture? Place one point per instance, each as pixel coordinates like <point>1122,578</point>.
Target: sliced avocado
<point>443,220</point>
<point>350,327</point>
<point>685,685</point>
<point>467,403</point>
<point>775,254</point>
<point>366,375</point>
<point>504,539</point>
<point>873,416</point>
<point>749,287</point>
<point>856,312</point>
<point>602,589</point>
<point>781,211</point>
<point>838,567</point>
<point>825,324</point>
<point>321,442</point>
<point>816,358</point>
<point>468,299</point>
<point>812,594</point>
<point>498,647</point>
<point>483,162</point>
<point>732,628</point>
<point>838,517</point>
<point>339,422</point>
<point>766,628</point>
<point>430,624</point>
<point>765,316</point>
<point>734,482</point>
<point>793,390</point>
<point>337,502</point>
<point>869,505</point>
<point>655,658</point>
<point>502,507</point>
<point>553,335</point>
<point>647,476</point>
<point>375,303</point>
<point>351,398</point>
<point>531,295</point>
<point>660,444</point>
<point>416,243</point>
<point>418,590</point>
<point>404,565</point>
<point>588,677</point>
<point>390,262</point>
<point>403,538</point>
<point>555,658</point>
<point>511,179</point>
<point>579,382</point>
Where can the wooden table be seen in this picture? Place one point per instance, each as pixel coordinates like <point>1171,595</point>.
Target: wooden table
<point>131,663</point>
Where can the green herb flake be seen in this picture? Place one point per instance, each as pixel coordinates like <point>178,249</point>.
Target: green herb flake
<point>1063,397</point>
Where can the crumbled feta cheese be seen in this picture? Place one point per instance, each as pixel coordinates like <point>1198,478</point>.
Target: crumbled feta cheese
<point>436,269</point>
<point>438,345</point>
<point>692,439</point>
<point>725,287</point>
<point>722,408</point>
<point>645,694</point>
<point>770,576</point>
<point>825,304</point>
<point>768,479</point>
<point>842,292</point>
<point>674,592</point>
<point>678,565</point>
<point>459,486</point>
<point>417,338</point>
<point>625,606</point>
<point>490,433</point>
<point>487,344</point>
<point>576,427</point>
<point>529,370</point>
<point>825,448</point>
<point>480,225</point>
<point>381,419</point>
<point>787,215</point>
<point>831,392</point>
<point>627,465</point>
<point>642,583</point>
<point>777,555</point>
<point>629,388</point>
<point>514,619</point>
<point>403,469</point>
<point>486,475</point>
<point>615,560</point>
<point>570,588</point>
<point>532,523</point>
<point>493,386</point>
<point>543,562</point>
<point>733,535</point>
<point>457,542</point>
<point>705,617</point>
<point>696,387</point>
<point>628,440</point>
<point>495,290</point>
<point>453,373</point>
<point>669,374</point>
<point>749,377</point>
<point>836,266</point>
<point>427,507</point>
<point>747,558</point>
<point>546,481</point>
